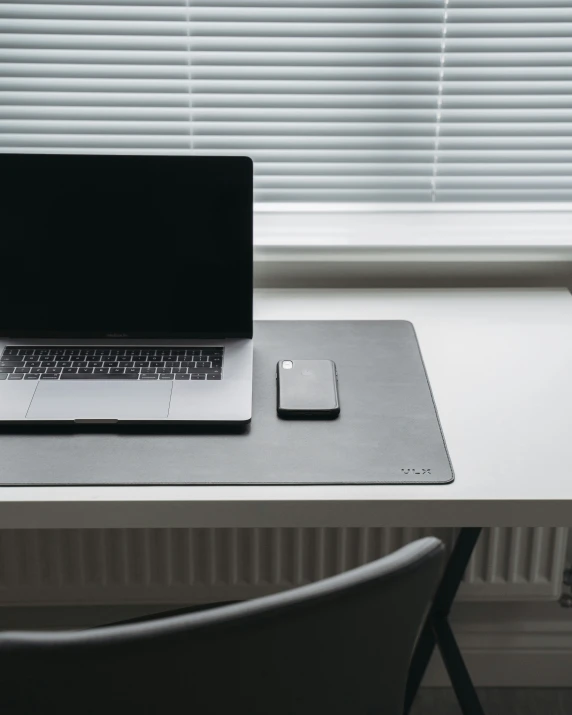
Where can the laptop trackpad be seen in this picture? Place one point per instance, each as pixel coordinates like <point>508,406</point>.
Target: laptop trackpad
<point>100,399</point>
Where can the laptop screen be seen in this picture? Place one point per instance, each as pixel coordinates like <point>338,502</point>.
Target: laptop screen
<point>126,246</point>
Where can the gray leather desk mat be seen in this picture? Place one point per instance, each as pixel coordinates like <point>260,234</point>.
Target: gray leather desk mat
<point>387,432</point>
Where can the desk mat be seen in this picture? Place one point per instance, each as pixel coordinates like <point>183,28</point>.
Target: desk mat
<point>388,431</point>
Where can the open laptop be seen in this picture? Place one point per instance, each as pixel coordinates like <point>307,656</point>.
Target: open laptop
<point>127,288</point>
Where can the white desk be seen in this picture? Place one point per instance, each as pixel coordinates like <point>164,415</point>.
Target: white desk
<point>500,366</point>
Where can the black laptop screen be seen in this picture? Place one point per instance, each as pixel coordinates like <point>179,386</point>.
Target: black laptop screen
<point>126,246</point>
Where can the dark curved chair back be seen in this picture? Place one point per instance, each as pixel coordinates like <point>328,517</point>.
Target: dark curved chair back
<point>342,645</point>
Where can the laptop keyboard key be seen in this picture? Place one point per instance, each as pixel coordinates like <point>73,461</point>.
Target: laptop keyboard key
<point>213,376</point>
<point>149,377</point>
<point>182,377</point>
<point>166,377</point>
<point>31,377</point>
<point>97,376</point>
<point>15,377</point>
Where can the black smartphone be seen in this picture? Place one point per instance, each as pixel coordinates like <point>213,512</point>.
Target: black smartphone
<point>307,389</point>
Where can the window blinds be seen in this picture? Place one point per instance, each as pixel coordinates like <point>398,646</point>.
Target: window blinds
<point>335,100</point>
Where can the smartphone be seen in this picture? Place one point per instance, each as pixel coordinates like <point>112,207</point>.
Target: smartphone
<point>307,389</point>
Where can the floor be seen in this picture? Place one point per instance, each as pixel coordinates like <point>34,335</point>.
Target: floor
<point>498,701</point>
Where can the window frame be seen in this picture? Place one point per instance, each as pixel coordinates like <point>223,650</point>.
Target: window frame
<point>436,244</point>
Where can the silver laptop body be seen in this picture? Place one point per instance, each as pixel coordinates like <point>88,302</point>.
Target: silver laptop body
<point>131,289</point>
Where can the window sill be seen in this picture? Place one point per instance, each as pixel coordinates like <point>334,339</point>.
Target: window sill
<point>420,246</point>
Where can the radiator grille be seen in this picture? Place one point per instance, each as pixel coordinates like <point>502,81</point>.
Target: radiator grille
<point>116,566</point>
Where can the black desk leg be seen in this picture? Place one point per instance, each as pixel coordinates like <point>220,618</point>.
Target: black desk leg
<point>437,631</point>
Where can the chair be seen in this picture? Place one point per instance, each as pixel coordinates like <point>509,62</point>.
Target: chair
<point>342,645</point>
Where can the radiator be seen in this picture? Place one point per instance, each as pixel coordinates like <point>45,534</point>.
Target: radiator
<point>183,566</point>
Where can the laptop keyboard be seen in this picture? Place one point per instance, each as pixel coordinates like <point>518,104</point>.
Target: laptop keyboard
<point>61,363</point>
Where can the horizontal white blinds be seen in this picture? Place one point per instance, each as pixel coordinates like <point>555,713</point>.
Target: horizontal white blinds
<point>505,129</point>
<point>335,100</point>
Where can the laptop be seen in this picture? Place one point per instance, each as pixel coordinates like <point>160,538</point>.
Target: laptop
<point>127,289</point>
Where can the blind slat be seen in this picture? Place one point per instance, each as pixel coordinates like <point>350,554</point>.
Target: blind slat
<point>246,28</point>
<point>199,13</point>
<point>329,86</point>
<point>214,43</point>
<point>205,72</point>
<point>256,59</point>
<point>210,100</point>
<point>229,114</point>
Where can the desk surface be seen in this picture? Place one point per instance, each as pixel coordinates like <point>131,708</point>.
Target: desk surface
<point>500,365</point>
